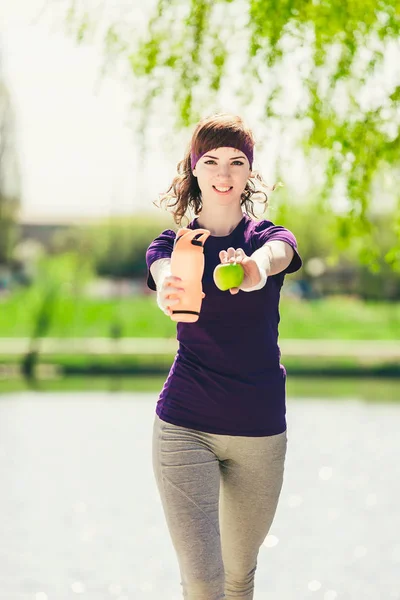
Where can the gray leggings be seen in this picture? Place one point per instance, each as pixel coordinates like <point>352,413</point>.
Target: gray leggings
<point>219,494</point>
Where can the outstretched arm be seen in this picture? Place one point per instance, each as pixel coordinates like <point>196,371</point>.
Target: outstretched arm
<point>272,258</point>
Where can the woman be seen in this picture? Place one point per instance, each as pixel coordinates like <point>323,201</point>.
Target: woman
<point>219,439</point>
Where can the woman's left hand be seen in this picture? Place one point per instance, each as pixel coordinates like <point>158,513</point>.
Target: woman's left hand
<point>252,275</point>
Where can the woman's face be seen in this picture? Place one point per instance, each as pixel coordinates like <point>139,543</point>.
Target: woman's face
<point>222,175</point>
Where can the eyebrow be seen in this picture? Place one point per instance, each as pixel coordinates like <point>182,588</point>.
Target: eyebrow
<point>216,157</point>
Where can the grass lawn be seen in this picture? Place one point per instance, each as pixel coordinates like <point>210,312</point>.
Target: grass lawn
<point>369,390</point>
<point>331,318</point>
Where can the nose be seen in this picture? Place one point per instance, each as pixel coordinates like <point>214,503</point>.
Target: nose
<point>223,171</point>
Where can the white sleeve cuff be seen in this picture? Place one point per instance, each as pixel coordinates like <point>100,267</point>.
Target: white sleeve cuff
<point>259,285</point>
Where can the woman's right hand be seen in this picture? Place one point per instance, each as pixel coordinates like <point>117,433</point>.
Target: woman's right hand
<point>170,286</point>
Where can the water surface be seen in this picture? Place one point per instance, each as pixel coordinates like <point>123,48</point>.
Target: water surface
<point>81,517</point>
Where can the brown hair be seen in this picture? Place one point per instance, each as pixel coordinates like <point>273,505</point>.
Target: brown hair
<point>212,132</point>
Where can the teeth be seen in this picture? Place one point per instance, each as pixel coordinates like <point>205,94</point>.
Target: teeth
<point>225,189</point>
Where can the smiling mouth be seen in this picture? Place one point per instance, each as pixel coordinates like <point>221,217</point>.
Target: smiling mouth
<point>222,189</point>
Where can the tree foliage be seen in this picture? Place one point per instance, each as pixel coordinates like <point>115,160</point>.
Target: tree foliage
<point>329,68</point>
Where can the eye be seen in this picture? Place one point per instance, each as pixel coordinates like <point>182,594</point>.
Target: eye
<point>209,161</point>
<point>239,162</point>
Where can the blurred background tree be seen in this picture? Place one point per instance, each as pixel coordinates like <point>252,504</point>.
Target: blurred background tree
<point>117,246</point>
<point>9,178</point>
<point>324,73</point>
<point>117,249</point>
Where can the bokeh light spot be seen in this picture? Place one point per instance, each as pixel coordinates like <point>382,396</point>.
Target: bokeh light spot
<point>325,473</point>
<point>77,587</point>
<point>271,541</point>
<point>314,585</point>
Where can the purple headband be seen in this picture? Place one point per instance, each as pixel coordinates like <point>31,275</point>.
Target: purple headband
<point>247,149</point>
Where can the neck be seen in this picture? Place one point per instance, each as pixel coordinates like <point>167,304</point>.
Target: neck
<point>221,224</point>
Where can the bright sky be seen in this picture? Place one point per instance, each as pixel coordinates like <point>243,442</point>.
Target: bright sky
<point>76,149</point>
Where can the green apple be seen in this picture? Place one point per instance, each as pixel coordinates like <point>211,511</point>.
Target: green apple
<point>228,275</point>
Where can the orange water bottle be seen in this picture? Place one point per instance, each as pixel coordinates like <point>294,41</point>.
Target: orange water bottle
<point>187,262</point>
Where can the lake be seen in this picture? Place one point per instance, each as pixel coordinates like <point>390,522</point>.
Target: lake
<point>81,517</point>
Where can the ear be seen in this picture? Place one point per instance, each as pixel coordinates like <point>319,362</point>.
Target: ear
<point>194,172</point>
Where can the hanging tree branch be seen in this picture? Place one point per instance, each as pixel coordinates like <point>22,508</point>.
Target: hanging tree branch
<point>344,56</point>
